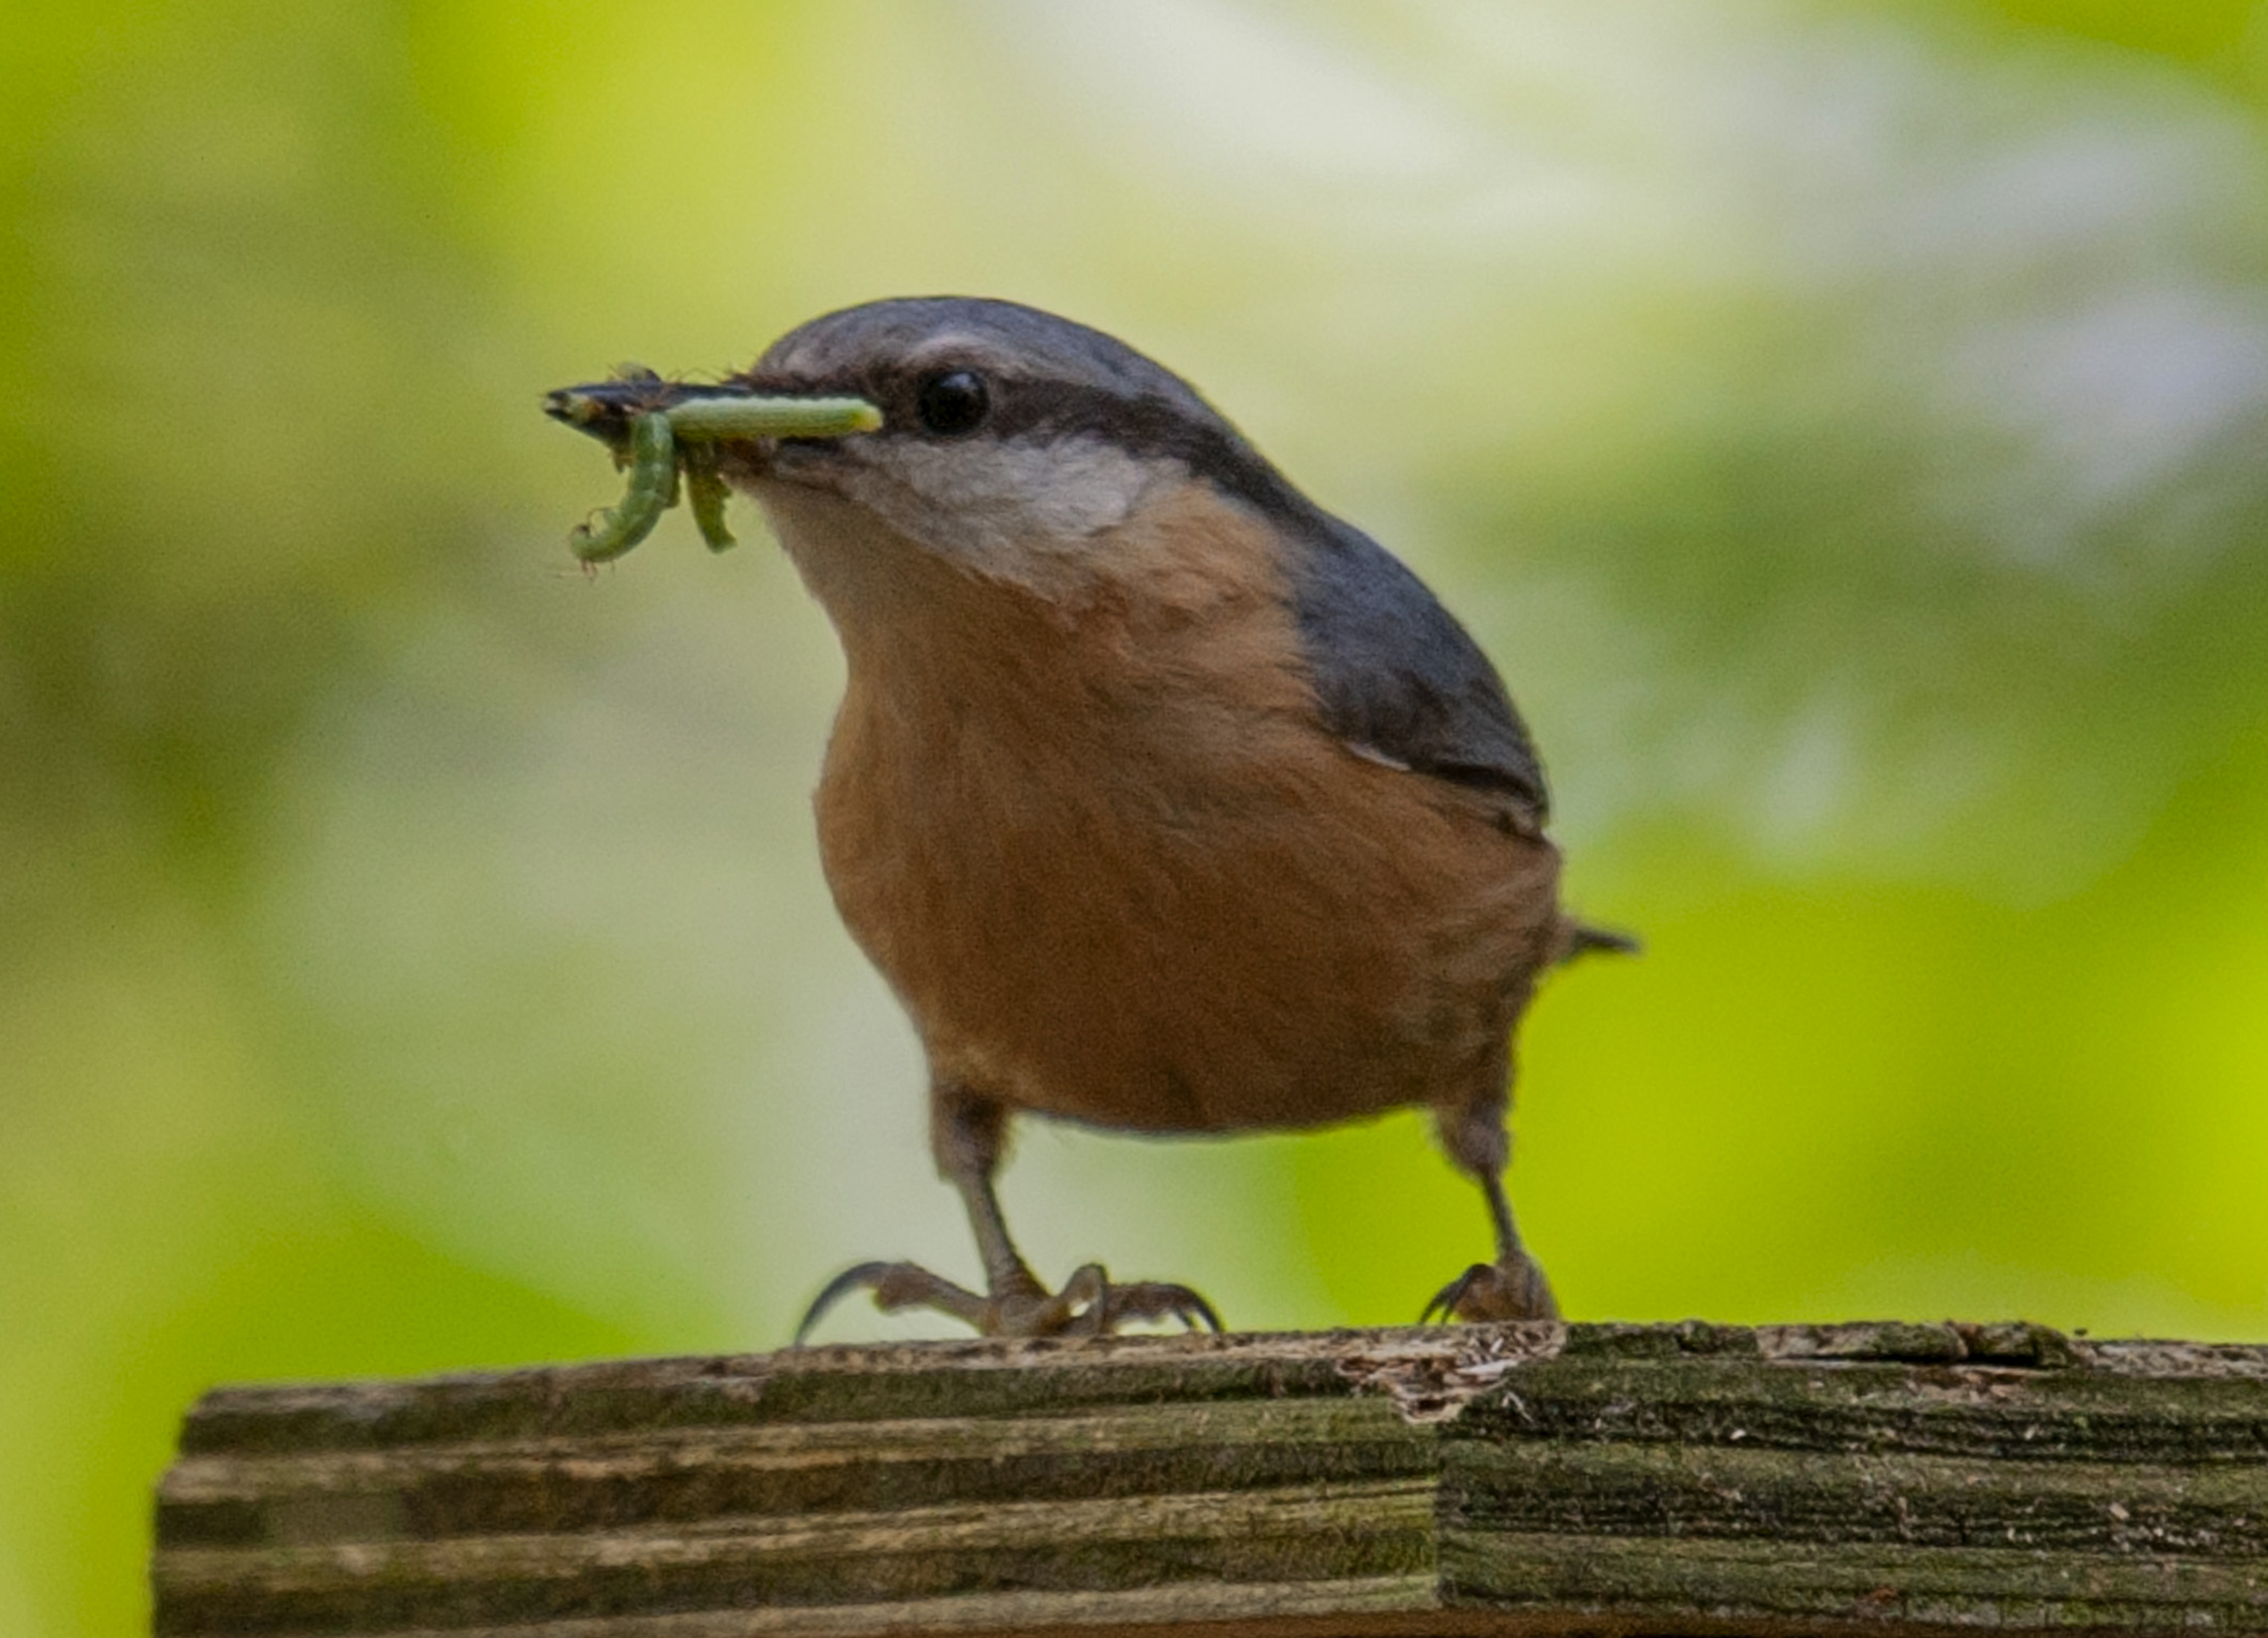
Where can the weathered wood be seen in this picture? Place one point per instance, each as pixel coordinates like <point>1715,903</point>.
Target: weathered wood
<point>1516,1479</point>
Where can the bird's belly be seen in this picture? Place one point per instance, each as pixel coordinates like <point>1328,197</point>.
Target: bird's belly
<point>1298,944</point>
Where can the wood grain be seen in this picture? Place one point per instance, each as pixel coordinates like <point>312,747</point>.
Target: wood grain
<point>1516,1479</point>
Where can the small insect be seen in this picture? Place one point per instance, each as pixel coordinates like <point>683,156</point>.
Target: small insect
<point>668,436</point>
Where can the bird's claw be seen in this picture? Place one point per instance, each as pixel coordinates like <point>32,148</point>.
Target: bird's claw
<point>1511,1287</point>
<point>895,1286</point>
<point>1148,1299</point>
<point>1088,1304</point>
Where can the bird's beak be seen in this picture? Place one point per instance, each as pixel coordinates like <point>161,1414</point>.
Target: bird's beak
<point>705,412</point>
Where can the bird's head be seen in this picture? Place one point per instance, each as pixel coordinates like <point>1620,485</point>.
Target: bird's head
<point>1009,438</point>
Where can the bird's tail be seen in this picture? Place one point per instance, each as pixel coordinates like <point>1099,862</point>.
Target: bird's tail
<point>1580,938</point>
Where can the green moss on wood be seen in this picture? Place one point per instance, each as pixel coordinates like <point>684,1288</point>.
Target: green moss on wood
<point>1516,1479</point>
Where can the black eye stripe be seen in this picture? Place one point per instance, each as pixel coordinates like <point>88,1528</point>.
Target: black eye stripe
<point>1145,427</point>
<point>1041,409</point>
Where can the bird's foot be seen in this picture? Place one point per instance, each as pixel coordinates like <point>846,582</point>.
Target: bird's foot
<point>1088,1304</point>
<point>1511,1287</point>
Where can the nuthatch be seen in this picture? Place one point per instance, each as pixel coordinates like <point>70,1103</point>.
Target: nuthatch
<point>1166,801</point>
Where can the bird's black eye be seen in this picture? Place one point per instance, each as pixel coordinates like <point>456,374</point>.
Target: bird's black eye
<point>953,403</point>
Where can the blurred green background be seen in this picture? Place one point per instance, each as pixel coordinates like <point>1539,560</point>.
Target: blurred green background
<point>1843,422</point>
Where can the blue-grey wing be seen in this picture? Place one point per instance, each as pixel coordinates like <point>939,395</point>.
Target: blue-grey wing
<point>1401,678</point>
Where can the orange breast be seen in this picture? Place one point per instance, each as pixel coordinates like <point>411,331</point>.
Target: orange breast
<point>1118,871</point>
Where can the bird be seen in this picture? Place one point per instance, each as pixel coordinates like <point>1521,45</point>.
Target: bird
<point>1166,801</point>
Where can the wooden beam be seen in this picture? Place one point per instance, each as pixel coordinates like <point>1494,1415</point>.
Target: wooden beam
<point>1482,1479</point>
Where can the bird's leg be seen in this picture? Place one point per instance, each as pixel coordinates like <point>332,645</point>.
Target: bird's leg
<point>968,1133</point>
<point>1512,1287</point>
